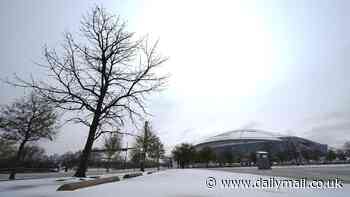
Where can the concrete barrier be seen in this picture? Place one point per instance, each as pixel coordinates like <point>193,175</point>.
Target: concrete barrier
<point>127,176</point>
<point>89,183</point>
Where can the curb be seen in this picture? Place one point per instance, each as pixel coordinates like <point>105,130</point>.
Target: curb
<point>89,183</point>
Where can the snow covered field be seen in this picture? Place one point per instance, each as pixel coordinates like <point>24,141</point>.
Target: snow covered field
<point>177,182</point>
<point>90,172</point>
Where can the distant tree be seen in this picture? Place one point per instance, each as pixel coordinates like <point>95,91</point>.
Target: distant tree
<point>184,154</point>
<point>33,153</point>
<point>226,157</point>
<point>96,159</point>
<point>341,154</point>
<point>206,155</point>
<point>331,155</point>
<point>346,148</point>
<point>7,149</point>
<point>143,145</point>
<point>104,76</point>
<point>315,155</point>
<point>135,156</point>
<point>112,144</point>
<point>156,150</point>
<point>293,150</point>
<point>35,158</point>
<point>27,120</point>
<point>55,160</point>
<point>69,160</point>
<point>306,154</point>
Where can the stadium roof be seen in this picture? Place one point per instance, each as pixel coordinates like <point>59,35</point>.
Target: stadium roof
<point>244,134</point>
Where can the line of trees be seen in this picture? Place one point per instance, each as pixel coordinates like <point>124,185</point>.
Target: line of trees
<point>31,118</point>
<point>186,155</point>
<point>33,158</point>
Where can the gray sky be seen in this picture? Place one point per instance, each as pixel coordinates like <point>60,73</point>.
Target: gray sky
<point>280,66</point>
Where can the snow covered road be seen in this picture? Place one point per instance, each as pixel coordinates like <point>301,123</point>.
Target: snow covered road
<point>169,183</point>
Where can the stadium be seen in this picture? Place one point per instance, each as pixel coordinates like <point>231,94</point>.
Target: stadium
<point>247,141</point>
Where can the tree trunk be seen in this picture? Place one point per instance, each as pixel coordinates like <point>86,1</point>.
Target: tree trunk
<point>158,164</point>
<point>145,147</point>
<point>108,164</point>
<point>84,158</point>
<point>17,161</point>
<point>142,164</point>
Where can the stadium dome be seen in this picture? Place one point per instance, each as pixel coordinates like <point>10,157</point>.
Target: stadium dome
<point>247,141</point>
<point>244,134</point>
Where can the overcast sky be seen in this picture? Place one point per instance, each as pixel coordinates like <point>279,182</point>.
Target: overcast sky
<point>280,66</point>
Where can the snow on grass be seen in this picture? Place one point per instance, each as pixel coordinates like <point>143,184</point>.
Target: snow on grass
<point>44,187</point>
<point>35,187</point>
<point>29,188</point>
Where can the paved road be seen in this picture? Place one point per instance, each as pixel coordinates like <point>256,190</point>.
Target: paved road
<point>91,172</point>
<point>311,172</point>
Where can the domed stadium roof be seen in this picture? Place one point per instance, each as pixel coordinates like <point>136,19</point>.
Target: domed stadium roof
<point>244,134</point>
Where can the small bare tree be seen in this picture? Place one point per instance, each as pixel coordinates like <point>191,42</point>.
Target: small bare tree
<point>147,145</point>
<point>104,77</point>
<point>157,151</point>
<point>27,120</point>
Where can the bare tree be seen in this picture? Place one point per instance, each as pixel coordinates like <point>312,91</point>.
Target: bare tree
<point>105,76</point>
<point>144,146</point>
<point>27,120</point>
<point>184,154</point>
<point>206,155</point>
<point>69,160</point>
<point>156,150</point>
<point>112,145</point>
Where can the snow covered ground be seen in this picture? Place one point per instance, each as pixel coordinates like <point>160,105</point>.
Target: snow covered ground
<point>45,187</point>
<point>169,183</point>
<point>42,175</point>
<point>29,188</point>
